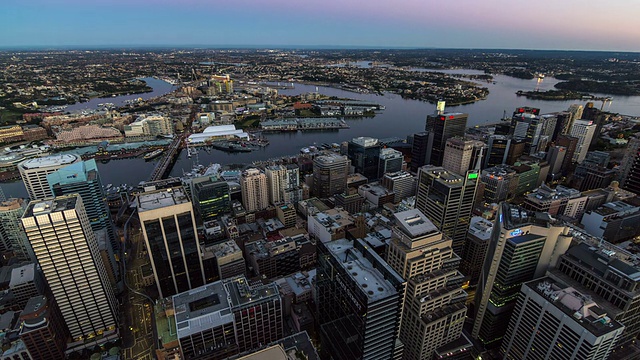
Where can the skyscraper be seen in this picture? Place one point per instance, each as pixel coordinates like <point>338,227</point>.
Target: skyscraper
<point>211,198</point>
<point>42,329</point>
<point>523,246</point>
<point>630,166</point>
<point>555,158</point>
<point>402,183</point>
<point>421,149</point>
<point>444,126</point>
<point>498,150</point>
<point>83,178</point>
<point>570,143</point>
<point>555,321</point>
<point>475,248</point>
<point>330,172</point>
<point>67,251</point>
<point>359,301</point>
<point>34,173</point>
<point>584,130</point>
<point>447,200</point>
<point>255,193</point>
<point>434,309</point>
<point>459,155</point>
<point>12,237</point>
<point>364,153</point>
<point>170,235</point>
<point>500,183</point>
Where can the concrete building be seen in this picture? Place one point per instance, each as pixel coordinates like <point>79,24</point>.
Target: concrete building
<point>376,194</point>
<point>630,165</point>
<point>272,259</point>
<point>359,302</point>
<point>287,215</point>
<point>227,317</point>
<point>444,126</point>
<point>34,173</point>
<point>330,173</point>
<point>559,201</point>
<point>26,282</point>
<point>475,248</point>
<point>523,246</point>
<point>227,260</point>
<point>614,221</point>
<point>434,310</point>
<point>364,153</point>
<point>401,183</point>
<point>566,324</point>
<point>350,201</point>
<point>584,130</point>
<point>255,193</point>
<point>170,235</point>
<point>328,225</point>
<point>447,199</point>
<point>42,329</point>
<point>500,183</point>
<point>73,267</point>
<point>284,184</point>
<point>390,161</point>
<point>463,155</point>
<point>611,277</point>
<point>12,237</point>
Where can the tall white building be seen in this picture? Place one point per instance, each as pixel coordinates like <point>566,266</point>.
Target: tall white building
<point>584,131</point>
<point>255,196</point>
<point>34,173</point>
<point>555,321</point>
<point>461,155</point>
<point>67,251</point>
<point>284,184</point>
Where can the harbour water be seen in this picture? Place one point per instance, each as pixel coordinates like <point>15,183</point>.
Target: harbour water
<point>401,118</point>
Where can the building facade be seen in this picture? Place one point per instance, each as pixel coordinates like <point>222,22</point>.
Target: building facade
<point>34,173</point>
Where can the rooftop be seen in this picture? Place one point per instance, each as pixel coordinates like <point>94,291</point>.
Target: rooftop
<point>601,260</point>
<point>157,199</point>
<point>580,307</point>
<point>49,161</point>
<point>242,294</point>
<point>201,308</point>
<point>360,270</point>
<point>60,203</point>
<point>23,274</point>
<point>480,227</point>
<point>414,223</point>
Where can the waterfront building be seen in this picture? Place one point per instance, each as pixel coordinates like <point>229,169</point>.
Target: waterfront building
<point>390,161</point>
<point>475,248</point>
<point>12,237</point>
<point>584,130</point>
<point>73,267</point>
<point>444,126</point>
<point>149,125</point>
<point>523,246</point>
<point>421,149</point>
<point>34,173</point>
<point>500,183</point>
<point>401,183</point>
<point>610,275</point>
<point>447,199</point>
<point>226,317</point>
<point>434,310</point>
<point>11,133</point>
<point>217,132</point>
<point>211,198</point>
<point>552,320</point>
<point>170,235</point>
<point>330,173</point>
<point>630,165</point>
<point>42,329</point>
<point>359,302</point>
<point>255,193</point>
<point>614,221</point>
<point>364,153</point>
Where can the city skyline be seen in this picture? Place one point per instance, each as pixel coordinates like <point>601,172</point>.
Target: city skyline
<point>281,23</point>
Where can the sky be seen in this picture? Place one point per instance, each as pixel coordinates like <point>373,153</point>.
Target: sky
<point>494,24</point>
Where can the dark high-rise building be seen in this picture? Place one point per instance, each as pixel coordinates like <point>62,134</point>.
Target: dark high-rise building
<point>516,150</point>
<point>475,248</point>
<point>421,149</point>
<point>563,124</point>
<point>364,153</point>
<point>211,199</point>
<point>570,143</point>
<point>390,161</point>
<point>500,183</point>
<point>552,320</point>
<point>169,229</point>
<point>447,200</point>
<point>443,127</point>
<point>43,330</point>
<point>593,173</point>
<point>555,158</point>
<point>630,166</point>
<point>523,246</point>
<point>359,302</point>
<point>402,183</point>
<point>330,173</point>
<point>498,149</point>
